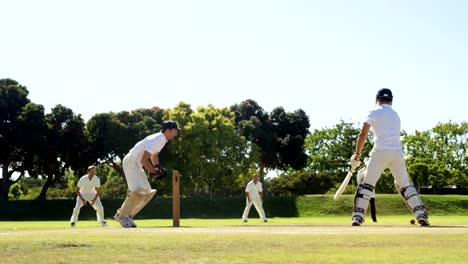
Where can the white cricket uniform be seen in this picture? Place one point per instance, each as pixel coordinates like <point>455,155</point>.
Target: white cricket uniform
<point>387,151</point>
<point>133,169</point>
<point>88,191</point>
<point>253,189</point>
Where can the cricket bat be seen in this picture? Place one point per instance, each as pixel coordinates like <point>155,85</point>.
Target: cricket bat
<point>343,185</point>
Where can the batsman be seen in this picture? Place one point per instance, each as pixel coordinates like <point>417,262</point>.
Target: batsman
<point>144,154</point>
<point>386,153</point>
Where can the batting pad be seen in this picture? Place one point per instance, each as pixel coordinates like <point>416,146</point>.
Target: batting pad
<point>135,201</point>
<point>146,197</point>
<point>363,194</point>
<point>414,203</point>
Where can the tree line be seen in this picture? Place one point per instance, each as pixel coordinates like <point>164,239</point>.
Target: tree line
<point>217,150</point>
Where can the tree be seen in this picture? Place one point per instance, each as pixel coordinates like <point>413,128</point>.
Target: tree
<point>329,149</point>
<point>13,98</point>
<point>112,185</point>
<point>300,183</point>
<point>291,130</point>
<point>452,143</point>
<point>208,151</point>
<point>32,128</point>
<point>278,138</point>
<point>16,191</point>
<point>254,124</point>
<point>66,146</point>
<point>438,157</point>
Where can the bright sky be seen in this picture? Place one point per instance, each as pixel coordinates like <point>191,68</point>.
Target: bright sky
<point>327,57</point>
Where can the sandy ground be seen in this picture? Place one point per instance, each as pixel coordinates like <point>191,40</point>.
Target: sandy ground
<point>265,229</point>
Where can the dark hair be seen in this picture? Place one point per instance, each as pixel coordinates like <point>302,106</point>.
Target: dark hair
<point>387,100</point>
<point>169,124</point>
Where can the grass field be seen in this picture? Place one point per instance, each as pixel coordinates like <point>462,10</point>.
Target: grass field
<point>281,240</point>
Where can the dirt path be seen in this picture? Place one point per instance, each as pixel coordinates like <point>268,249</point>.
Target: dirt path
<point>270,229</point>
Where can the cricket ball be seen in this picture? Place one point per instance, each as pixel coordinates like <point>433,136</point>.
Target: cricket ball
<point>412,221</point>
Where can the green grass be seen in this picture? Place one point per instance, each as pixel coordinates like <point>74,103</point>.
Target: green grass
<point>153,242</point>
<point>155,223</point>
<point>387,204</point>
<point>233,248</point>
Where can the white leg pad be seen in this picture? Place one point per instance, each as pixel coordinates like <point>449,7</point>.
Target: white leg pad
<point>135,201</point>
<point>361,201</point>
<point>414,203</point>
<point>144,201</point>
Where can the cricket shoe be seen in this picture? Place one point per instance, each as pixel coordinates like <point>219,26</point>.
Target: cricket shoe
<point>130,221</point>
<point>357,221</point>
<point>72,224</point>
<point>423,221</point>
<point>104,223</point>
<point>122,221</point>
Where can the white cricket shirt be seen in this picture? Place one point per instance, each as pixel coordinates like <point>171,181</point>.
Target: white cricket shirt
<point>253,189</point>
<point>386,125</point>
<point>87,185</point>
<point>152,143</point>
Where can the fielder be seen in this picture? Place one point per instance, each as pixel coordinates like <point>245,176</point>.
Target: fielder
<point>88,190</point>
<point>387,153</point>
<point>143,154</point>
<point>254,195</point>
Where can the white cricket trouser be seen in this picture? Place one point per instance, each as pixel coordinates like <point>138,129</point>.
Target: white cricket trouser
<point>257,202</point>
<point>88,196</point>
<point>379,161</point>
<point>135,175</point>
<point>389,158</point>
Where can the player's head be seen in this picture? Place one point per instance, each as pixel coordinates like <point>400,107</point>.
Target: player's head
<point>384,96</point>
<point>255,177</point>
<point>170,129</point>
<point>91,170</point>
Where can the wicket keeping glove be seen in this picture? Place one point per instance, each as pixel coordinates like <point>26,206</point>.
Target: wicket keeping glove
<point>161,172</point>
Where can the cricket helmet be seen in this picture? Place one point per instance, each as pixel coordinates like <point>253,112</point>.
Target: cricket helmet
<point>384,93</point>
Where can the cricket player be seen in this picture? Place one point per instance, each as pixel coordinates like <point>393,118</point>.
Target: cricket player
<point>88,190</point>
<point>143,155</point>
<point>386,153</point>
<point>254,195</point>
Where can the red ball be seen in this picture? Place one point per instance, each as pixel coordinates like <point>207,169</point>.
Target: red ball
<point>412,222</point>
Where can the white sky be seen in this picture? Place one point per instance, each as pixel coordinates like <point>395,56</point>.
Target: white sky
<point>327,57</point>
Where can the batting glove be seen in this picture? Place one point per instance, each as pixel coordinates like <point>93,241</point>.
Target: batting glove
<point>354,161</point>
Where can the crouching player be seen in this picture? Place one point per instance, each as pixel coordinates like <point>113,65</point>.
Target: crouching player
<point>143,154</point>
<point>88,190</point>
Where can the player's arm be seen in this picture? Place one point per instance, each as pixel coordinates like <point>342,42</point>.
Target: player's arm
<point>261,195</point>
<point>98,194</point>
<point>248,196</point>
<point>79,195</point>
<point>155,158</point>
<point>145,161</point>
<point>362,137</point>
